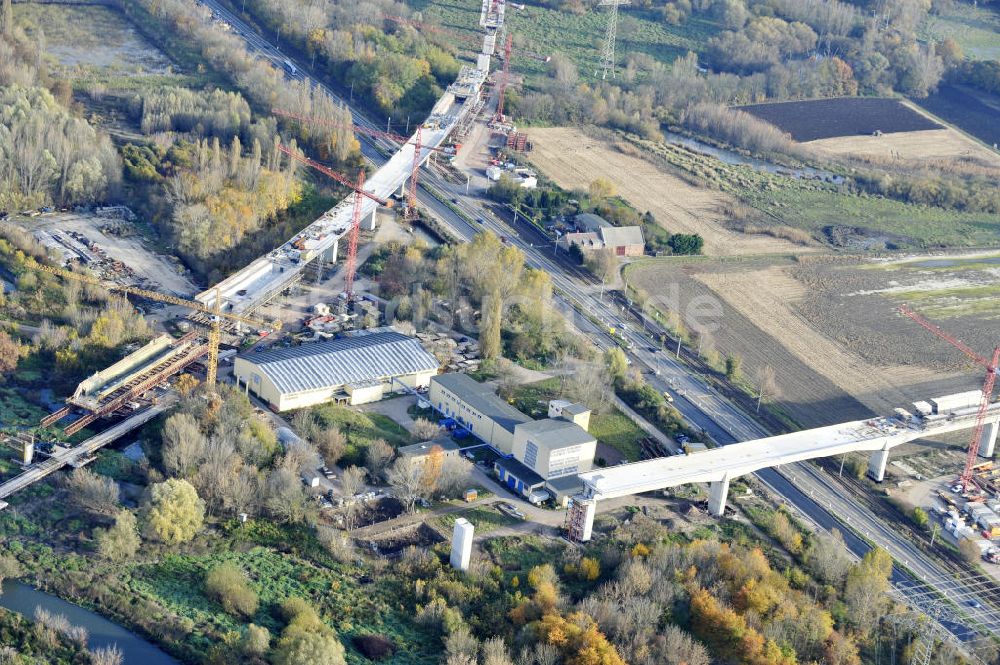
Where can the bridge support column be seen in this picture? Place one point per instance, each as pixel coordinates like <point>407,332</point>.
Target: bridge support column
<point>368,221</point>
<point>330,255</point>
<point>580,518</point>
<point>877,464</point>
<point>988,439</point>
<point>717,492</point>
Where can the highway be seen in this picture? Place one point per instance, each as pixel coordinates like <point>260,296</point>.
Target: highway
<point>816,496</point>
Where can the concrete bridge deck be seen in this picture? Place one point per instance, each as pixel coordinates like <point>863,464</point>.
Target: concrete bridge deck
<point>721,465</point>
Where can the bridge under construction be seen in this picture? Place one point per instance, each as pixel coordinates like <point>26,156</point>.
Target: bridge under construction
<point>719,466</point>
<point>270,274</point>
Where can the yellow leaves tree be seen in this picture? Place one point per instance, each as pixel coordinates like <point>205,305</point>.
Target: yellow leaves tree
<point>431,472</point>
<point>577,637</point>
<point>600,190</point>
<point>174,513</point>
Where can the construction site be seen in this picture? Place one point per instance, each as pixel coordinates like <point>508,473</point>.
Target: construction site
<point>540,483</point>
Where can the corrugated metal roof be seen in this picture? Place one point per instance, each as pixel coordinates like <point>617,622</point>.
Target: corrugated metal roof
<point>342,361</point>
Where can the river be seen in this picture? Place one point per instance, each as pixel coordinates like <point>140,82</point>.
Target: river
<point>730,157</point>
<point>21,598</point>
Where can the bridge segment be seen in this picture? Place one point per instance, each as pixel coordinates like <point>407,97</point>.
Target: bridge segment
<point>268,275</point>
<point>719,466</point>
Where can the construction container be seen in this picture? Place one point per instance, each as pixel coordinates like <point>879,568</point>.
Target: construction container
<point>956,402</point>
<point>470,495</point>
<point>923,408</point>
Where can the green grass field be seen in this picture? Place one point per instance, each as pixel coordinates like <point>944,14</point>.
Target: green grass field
<point>812,205</point>
<point>485,518</point>
<point>543,31</point>
<point>613,428</point>
<point>361,429</point>
<point>975,28</point>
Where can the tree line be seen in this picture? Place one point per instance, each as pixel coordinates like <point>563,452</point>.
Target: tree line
<point>766,50</point>
<point>396,66</point>
<point>265,86</point>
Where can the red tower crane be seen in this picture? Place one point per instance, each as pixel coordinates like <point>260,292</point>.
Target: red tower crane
<point>505,77</point>
<point>418,148</point>
<point>991,365</point>
<point>350,262</point>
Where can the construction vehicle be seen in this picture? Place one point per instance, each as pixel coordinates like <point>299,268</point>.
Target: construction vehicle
<point>359,192</point>
<point>215,313</point>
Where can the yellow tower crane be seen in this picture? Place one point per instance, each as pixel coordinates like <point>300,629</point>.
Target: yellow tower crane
<point>215,312</point>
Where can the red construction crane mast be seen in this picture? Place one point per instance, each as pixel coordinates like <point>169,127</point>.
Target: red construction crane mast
<point>504,77</point>
<point>418,148</point>
<point>966,479</point>
<point>350,262</point>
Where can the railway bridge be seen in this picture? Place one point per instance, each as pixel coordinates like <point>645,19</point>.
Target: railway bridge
<point>268,275</point>
<point>719,466</point>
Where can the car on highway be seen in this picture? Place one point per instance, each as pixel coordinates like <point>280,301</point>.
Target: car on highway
<point>975,603</point>
<point>667,396</point>
<point>652,349</point>
<point>454,201</point>
<point>480,220</point>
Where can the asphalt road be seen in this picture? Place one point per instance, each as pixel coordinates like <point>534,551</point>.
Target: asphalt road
<point>819,499</point>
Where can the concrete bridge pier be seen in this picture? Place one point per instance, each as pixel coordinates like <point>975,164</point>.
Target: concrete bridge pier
<point>988,439</point>
<point>330,255</point>
<point>368,221</point>
<point>717,491</point>
<point>877,464</point>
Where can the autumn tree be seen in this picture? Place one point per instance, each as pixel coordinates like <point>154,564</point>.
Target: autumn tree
<point>866,588</point>
<point>92,492</point>
<point>7,19</point>
<point>121,541</point>
<point>430,474</point>
<point>767,385</point>
<point>186,384</point>
<point>173,511</point>
<point>229,585</point>
<point>588,383</point>
<point>306,640</point>
<point>331,444</point>
<point>10,568</point>
<point>406,478</point>
<point>377,456</point>
<point>425,430</point>
<point>286,499</point>
<point>600,190</point>
<point>10,351</point>
<point>184,445</point>
<point>494,269</point>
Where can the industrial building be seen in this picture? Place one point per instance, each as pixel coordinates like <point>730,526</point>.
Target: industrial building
<point>542,457</point>
<point>475,406</point>
<point>553,447</point>
<point>348,370</point>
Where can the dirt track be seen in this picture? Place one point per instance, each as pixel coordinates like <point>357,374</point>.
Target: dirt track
<point>572,159</point>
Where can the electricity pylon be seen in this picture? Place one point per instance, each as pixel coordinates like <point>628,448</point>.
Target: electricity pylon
<point>608,57</point>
